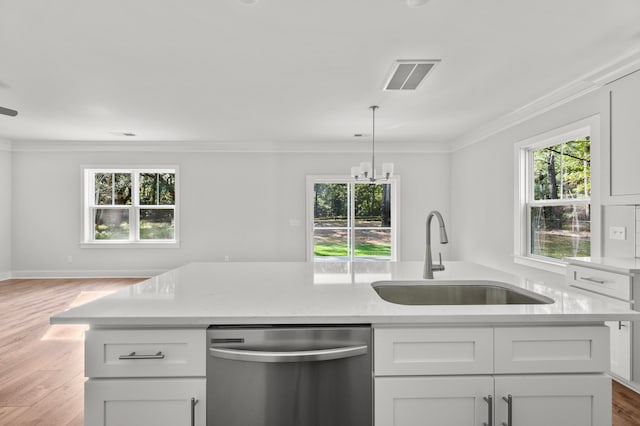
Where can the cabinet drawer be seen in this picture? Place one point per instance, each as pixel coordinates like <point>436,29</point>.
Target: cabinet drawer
<point>603,282</point>
<point>145,353</point>
<point>414,351</point>
<point>552,349</point>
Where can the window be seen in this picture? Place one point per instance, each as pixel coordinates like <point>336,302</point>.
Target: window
<point>130,206</point>
<point>352,221</point>
<point>554,214</point>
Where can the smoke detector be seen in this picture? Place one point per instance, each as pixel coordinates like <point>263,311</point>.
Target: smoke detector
<point>407,74</point>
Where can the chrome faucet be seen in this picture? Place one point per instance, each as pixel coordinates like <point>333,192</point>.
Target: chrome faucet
<point>429,267</point>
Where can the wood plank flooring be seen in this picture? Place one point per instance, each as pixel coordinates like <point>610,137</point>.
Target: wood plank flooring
<point>42,365</point>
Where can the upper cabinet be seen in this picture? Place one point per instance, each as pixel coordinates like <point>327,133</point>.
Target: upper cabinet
<point>621,141</point>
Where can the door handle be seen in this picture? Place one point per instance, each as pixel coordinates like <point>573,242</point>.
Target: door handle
<point>509,401</point>
<point>489,400</point>
<point>293,356</point>
<point>193,411</point>
<point>593,280</point>
<point>133,355</point>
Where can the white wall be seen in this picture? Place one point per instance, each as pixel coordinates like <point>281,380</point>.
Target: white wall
<point>620,216</point>
<point>5,210</point>
<point>218,194</point>
<point>482,184</point>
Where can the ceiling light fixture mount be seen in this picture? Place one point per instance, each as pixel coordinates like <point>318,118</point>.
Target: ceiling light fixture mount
<point>416,3</point>
<point>367,171</point>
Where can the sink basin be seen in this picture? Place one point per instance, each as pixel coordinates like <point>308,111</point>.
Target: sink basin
<point>461,292</point>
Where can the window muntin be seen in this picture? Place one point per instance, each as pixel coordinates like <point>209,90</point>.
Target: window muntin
<point>352,221</point>
<point>130,205</point>
<point>558,197</point>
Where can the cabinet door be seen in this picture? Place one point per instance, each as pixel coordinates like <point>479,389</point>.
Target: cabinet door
<point>136,402</point>
<point>432,401</point>
<point>620,348</point>
<point>558,400</point>
<point>621,129</point>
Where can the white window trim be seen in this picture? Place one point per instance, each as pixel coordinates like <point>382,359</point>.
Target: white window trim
<point>590,126</point>
<point>86,222</point>
<point>395,223</point>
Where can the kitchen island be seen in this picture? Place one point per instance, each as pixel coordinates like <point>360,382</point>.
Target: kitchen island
<point>146,349</point>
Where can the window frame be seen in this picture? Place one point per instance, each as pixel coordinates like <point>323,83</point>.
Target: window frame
<point>394,181</point>
<point>88,206</point>
<point>523,183</point>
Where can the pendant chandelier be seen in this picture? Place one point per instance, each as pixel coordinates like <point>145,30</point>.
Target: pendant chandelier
<point>367,171</point>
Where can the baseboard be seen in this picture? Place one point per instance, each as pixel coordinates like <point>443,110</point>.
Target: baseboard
<point>110,273</point>
<point>5,276</point>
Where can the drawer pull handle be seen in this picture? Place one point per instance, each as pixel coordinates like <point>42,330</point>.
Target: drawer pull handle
<point>489,400</point>
<point>193,411</point>
<point>620,325</point>
<point>509,401</point>
<point>592,280</point>
<point>133,355</point>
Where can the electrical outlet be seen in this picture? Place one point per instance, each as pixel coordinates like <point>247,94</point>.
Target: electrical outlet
<point>69,259</point>
<point>617,233</point>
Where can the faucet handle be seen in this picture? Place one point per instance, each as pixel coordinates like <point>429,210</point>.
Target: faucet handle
<point>440,266</point>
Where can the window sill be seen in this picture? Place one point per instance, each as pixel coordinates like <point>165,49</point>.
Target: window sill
<point>557,267</point>
<point>129,245</point>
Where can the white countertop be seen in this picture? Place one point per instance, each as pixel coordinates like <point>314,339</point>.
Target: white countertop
<point>622,265</point>
<point>200,294</point>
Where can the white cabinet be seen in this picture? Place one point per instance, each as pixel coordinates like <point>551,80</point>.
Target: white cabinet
<point>613,286</point>
<point>136,402</point>
<point>433,401</point>
<point>534,400</point>
<point>145,353</point>
<point>581,349</point>
<point>620,348</point>
<point>516,383</point>
<point>437,350</point>
<point>553,400</point>
<point>145,377</point>
<point>621,141</point>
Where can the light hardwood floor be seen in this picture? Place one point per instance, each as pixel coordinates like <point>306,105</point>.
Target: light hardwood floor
<point>42,368</point>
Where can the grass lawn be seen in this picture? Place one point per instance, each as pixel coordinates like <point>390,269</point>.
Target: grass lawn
<point>340,250</point>
<point>369,243</point>
<point>558,245</point>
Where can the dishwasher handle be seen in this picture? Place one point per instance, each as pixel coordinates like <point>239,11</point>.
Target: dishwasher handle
<point>293,356</point>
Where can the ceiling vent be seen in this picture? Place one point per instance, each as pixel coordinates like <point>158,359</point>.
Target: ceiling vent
<point>408,74</point>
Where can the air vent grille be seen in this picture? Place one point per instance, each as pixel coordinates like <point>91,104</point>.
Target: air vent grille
<point>408,74</point>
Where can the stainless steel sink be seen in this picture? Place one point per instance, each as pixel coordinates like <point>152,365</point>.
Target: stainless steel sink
<point>461,292</point>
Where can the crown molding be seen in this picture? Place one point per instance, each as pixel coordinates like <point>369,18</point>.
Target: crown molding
<point>582,86</point>
<point>228,147</point>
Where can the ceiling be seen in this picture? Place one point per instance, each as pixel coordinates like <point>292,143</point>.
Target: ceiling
<point>291,71</point>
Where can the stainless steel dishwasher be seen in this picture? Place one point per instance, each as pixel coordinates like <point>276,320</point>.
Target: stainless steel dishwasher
<point>289,376</point>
